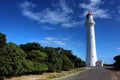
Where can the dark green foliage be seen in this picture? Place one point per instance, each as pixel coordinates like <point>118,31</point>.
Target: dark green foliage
<point>109,65</point>
<point>59,63</point>
<point>56,66</point>
<point>36,55</point>
<point>67,64</point>
<point>2,40</point>
<point>37,62</point>
<point>117,63</point>
<point>79,63</point>
<point>31,46</point>
<point>117,58</point>
<point>51,67</point>
<point>37,67</point>
<point>11,59</point>
<point>76,62</point>
<point>33,67</point>
<point>32,58</point>
<point>52,59</point>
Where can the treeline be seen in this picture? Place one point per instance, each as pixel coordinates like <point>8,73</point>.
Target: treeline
<point>117,62</point>
<point>32,58</point>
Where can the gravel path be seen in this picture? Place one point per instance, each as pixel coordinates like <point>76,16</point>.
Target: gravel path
<point>91,74</point>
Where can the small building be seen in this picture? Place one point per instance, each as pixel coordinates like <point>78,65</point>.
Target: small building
<point>99,63</point>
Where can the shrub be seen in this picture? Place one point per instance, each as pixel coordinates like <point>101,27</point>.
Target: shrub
<point>11,59</point>
<point>117,63</point>
<point>67,64</point>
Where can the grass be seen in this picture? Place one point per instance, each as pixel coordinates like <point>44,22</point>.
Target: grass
<point>63,73</point>
<point>46,76</point>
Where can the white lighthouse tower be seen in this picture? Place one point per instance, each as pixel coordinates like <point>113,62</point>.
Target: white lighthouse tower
<point>91,56</point>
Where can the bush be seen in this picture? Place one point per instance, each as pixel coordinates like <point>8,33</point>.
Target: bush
<point>67,64</point>
<point>11,59</point>
<point>36,62</point>
<point>32,58</point>
<point>36,55</point>
<point>79,63</point>
<point>37,67</point>
<point>31,46</point>
<point>2,40</point>
<point>117,63</point>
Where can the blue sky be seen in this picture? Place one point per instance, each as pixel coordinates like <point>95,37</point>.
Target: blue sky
<point>60,23</point>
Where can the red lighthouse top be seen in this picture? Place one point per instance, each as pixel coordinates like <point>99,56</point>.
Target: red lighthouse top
<point>88,14</point>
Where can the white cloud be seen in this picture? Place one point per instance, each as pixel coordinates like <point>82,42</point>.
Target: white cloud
<point>53,17</point>
<point>71,24</point>
<point>118,8</point>
<point>48,28</point>
<point>94,7</point>
<point>118,49</point>
<point>31,15</point>
<point>59,15</point>
<point>67,37</point>
<point>50,41</point>
<point>59,43</point>
<point>119,11</point>
<point>27,5</point>
<point>49,38</point>
<point>64,7</point>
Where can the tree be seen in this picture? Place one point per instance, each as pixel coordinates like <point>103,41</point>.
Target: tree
<point>52,59</point>
<point>37,67</point>
<point>12,58</point>
<point>67,64</point>
<point>38,56</point>
<point>76,62</point>
<point>35,58</point>
<point>34,67</point>
<point>31,46</point>
<point>117,62</point>
<point>32,58</point>
<point>72,57</point>
<point>79,63</point>
<point>2,40</point>
<point>59,63</point>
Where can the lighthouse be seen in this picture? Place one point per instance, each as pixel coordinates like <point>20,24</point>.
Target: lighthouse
<point>91,56</point>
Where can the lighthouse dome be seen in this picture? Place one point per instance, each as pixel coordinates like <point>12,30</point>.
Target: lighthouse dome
<point>89,15</point>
